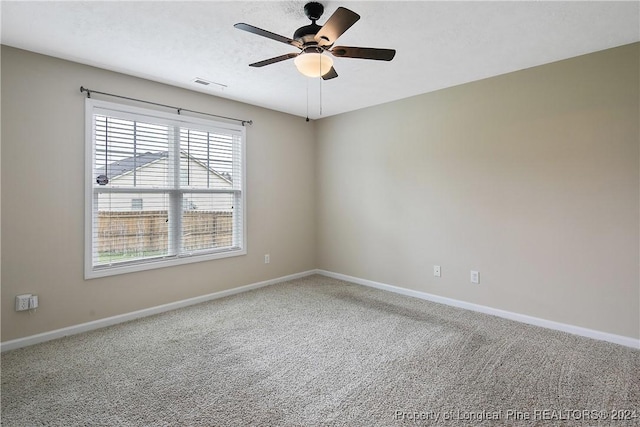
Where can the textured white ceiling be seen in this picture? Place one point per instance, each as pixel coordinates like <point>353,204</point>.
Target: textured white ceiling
<point>439,44</point>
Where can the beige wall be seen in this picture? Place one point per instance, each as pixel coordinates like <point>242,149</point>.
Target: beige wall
<point>43,198</point>
<point>531,178</point>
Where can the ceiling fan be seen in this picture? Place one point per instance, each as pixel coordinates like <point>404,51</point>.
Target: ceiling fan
<point>314,40</point>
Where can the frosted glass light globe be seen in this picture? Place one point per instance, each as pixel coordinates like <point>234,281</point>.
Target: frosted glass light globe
<point>313,64</point>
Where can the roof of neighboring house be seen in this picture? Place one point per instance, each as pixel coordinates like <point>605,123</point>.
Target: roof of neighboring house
<point>127,165</point>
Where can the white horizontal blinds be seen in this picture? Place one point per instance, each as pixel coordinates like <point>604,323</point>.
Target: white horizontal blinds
<point>238,185</point>
<point>163,188</point>
<point>207,163</point>
<point>130,224</point>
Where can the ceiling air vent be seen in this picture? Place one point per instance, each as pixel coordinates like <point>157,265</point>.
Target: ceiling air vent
<point>204,82</point>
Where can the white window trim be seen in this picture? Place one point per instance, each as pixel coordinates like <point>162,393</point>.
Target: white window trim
<point>89,272</point>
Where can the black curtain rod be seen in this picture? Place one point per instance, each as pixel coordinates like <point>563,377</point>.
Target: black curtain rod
<point>178,109</point>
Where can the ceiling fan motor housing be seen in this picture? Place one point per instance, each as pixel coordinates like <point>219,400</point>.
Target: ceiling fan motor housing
<point>307,33</point>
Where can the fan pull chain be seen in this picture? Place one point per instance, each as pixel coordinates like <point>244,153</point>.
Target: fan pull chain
<point>307,80</point>
<point>320,73</point>
<point>320,95</point>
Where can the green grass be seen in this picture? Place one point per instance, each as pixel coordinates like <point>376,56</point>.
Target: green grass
<point>109,257</point>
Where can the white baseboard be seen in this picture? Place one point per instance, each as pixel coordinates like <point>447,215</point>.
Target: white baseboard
<point>549,324</point>
<point>101,323</point>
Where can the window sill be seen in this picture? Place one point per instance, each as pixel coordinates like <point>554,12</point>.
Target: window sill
<point>92,272</point>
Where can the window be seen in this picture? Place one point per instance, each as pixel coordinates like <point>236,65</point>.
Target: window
<point>161,189</point>
<point>136,204</point>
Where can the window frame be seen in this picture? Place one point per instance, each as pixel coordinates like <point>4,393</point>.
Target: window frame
<point>93,106</point>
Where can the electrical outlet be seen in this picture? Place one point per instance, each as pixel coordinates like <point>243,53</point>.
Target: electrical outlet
<point>436,270</point>
<point>475,277</point>
<point>267,259</point>
<point>22,302</point>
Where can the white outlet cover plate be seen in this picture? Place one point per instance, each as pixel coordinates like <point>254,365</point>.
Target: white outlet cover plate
<point>475,277</point>
<point>22,302</point>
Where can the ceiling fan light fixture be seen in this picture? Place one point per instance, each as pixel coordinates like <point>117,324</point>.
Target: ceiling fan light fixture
<point>313,64</point>
<point>314,40</point>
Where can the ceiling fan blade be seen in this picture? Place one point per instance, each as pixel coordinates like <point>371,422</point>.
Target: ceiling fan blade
<point>268,34</point>
<point>331,74</point>
<point>341,20</point>
<point>274,60</point>
<point>363,52</point>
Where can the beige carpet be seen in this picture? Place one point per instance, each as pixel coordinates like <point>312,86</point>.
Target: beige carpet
<point>318,351</point>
